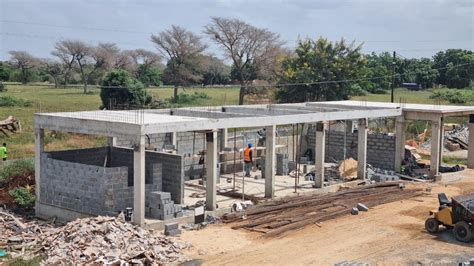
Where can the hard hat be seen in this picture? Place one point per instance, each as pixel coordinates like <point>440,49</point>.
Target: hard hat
<point>250,145</point>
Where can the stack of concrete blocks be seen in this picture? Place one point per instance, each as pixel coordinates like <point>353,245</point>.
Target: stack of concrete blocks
<point>160,206</point>
<point>379,175</point>
<point>282,164</point>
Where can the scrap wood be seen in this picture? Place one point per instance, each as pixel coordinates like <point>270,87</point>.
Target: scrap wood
<point>276,218</point>
<point>10,124</point>
<point>412,178</point>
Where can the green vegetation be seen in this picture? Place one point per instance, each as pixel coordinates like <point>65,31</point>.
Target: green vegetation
<point>454,96</point>
<point>23,198</point>
<point>10,101</point>
<point>3,87</point>
<point>121,89</point>
<point>17,168</point>
<point>454,160</point>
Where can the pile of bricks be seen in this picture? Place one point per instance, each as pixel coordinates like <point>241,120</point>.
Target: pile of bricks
<point>160,206</point>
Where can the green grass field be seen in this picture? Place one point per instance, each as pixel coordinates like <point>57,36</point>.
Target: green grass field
<point>47,99</point>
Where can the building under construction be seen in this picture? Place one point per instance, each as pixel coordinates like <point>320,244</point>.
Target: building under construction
<point>159,161</point>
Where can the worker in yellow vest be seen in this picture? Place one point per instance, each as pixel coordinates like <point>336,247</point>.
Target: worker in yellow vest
<point>3,152</point>
<point>248,159</point>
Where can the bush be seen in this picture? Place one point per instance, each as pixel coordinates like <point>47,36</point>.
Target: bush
<point>23,167</point>
<point>9,101</point>
<point>455,96</point>
<point>121,89</point>
<point>23,197</point>
<point>3,87</point>
<point>184,98</point>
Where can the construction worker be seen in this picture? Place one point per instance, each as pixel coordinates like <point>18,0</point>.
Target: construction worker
<point>248,159</point>
<point>3,152</point>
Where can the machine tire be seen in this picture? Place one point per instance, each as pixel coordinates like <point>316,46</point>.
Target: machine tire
<point>432,225</point>
<point>462,231</point>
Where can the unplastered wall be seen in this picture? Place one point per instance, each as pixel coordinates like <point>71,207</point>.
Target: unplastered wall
<point>380,147</point>
<point>68,183</point>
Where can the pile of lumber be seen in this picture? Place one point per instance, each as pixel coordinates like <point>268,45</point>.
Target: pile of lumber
<point>277,217</point>
<point>11,125</point>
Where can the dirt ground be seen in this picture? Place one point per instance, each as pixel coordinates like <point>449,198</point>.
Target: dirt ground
<point>388,234</point>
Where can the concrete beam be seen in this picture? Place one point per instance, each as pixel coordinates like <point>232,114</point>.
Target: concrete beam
<point>470,152</point>
<point>264,111</point>
<point>319,154</point>
<point>270,140</point>
<point>362,148</point>
<point>344,106</point>
<point>208,124</point>
<point>208,114</point>
<point>436,148</point>
<point>211,170</point>
<point>400,135</point>
<point>39,149</point>
<point>139,182</point>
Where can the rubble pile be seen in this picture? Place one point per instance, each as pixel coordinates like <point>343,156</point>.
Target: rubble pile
<point>96,240</point>
<point>458,138</point>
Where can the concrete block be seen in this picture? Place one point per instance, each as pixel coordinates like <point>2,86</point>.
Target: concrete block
<point>354,211</point>
<point>171,226</point>
<point>362,207</point>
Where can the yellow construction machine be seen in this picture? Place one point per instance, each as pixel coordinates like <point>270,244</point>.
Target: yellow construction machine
<point>457,214</point>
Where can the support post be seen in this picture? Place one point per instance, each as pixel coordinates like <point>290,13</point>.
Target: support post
<point>362,148</point>
<point>436,151</point>
<point>400,135</point>
<point>174,141</point>
<point>211,170</point>
<point>39,149</point>
<point>270,139</point>
<point>319,154</point>
<point>470,152</point>
<point>139,182</point>
<point>112,141</point>
<point>223,145</point>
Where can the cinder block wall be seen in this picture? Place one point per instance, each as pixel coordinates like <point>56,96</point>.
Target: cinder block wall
<point>380,148</point>
<point>88,188</point>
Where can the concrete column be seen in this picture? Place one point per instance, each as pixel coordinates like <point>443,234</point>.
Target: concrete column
<point>349,126</point>
<point>270,139</point>
<point>223,144</point>
<point>211,170</point>
<point>400,135</point>
<point>436,151</point>
<point>319,155</point>
<point>362,148</point>
<point>470,152</point>
<point>139,182</point>
<point>39,149</point>
<point>174,141</point>
<point>112,141</point>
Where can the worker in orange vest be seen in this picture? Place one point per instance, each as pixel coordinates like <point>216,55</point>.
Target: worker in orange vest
<point>248,159</point>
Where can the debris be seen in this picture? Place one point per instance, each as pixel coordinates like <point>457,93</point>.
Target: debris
<point>87,241</point>
<point>362,207</point>
<point>380,175</point>
<point>354,211</point>
<point>11,124</point>
<point>450,169</point>
<point>348,169</point>
<point>280,216</point>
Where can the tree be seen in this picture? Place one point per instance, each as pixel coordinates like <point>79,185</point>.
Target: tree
<point>245,45</point>
<point>120,88</point>
<point>214,71</point>
<point>54,69</point>
<point>321,61</point>
<point>451,75</point>
<point>420,71</point>
<point>5,71</point>
<point>83,54</point>
<point>183,49</point>
<point>148,75</point>
<point>24,62</point>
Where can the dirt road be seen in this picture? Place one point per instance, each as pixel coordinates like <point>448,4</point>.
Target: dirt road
<point>388,234</point>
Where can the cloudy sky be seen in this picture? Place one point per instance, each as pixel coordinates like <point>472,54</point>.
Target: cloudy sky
<point>413,28</point>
